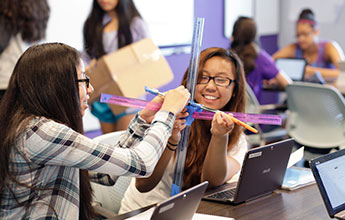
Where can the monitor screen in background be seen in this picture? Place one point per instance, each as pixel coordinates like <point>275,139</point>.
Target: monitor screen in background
<point>332,174</point>
<point>294,68</point>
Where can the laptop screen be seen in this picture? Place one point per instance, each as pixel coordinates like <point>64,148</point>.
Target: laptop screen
<point>329,172</point>
<point>293,67</point>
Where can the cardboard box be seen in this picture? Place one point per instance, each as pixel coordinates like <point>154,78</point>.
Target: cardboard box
<point>127,71</point>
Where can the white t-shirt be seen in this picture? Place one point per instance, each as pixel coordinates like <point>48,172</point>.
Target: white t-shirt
<point>9,58</point>
<point>133,199</point>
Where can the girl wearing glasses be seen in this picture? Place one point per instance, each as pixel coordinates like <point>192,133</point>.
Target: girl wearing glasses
<point>258,64</point>
<point>321,56</point>
<point>112,24</point>
<point>45,158</point>
<point>216,148</point>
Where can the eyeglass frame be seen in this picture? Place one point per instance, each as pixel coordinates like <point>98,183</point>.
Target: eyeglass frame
<point>86,80</point>
<point>214,77</point>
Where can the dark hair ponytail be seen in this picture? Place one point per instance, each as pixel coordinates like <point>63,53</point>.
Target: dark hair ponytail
<point>244,33</point>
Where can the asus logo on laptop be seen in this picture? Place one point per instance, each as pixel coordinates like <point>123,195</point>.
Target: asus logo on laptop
<point>266,170</point>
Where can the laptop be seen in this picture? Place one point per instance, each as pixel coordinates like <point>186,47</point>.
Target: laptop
<point>180,206</point>
<point>262,172</point>
<point>293,67</point>
<point>329,173</point>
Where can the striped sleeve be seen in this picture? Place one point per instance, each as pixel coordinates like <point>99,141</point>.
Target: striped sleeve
<point>51,143</point>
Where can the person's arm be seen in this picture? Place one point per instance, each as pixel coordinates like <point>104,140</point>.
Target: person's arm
<point>285,52</point>
<point>218,167</point>
<point>334,54</point>
<point>281,79</point>
<point>52,143</point>
<point>147,184</point>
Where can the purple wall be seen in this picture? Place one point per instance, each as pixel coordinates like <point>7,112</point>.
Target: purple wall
<point>213,36</point>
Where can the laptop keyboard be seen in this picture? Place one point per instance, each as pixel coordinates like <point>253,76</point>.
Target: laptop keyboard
<point>223,195</point>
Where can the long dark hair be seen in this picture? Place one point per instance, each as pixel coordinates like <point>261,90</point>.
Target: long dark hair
<point>93,27</point>
<point>29,18</point>
<point>244,33</point>
<point>200,135</point>
<point>43,83</point>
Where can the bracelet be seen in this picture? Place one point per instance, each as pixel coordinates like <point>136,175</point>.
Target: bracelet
<point>170,148</point>
<point>174,145</point>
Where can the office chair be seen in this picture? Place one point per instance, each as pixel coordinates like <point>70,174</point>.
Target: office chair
<point>107,199</point>
<point>316,115</point>
<point>262,138</point>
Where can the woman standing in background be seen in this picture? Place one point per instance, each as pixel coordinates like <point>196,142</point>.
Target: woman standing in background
<point>111,24</point>
<point>258,64</point>
<point>321,56</point>
<point>21,21</point>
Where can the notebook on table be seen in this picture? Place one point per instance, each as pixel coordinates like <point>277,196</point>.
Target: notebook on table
<point>262,172</point>
<point>293,67</point>
<point>329,173</point>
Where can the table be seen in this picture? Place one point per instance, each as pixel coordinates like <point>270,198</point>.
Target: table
<point>303,203</point>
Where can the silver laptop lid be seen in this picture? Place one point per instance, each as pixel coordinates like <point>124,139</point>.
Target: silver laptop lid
<point>180,206</point>
<point>329,173</point>
<point>293,67</point>
<point>263,170</point>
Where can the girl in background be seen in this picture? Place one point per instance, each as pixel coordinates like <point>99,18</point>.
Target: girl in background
<point>22,22</point>
<point>258,64</point>
<point>321,56</point>
<point>216,148</point>
<point>111,24</point>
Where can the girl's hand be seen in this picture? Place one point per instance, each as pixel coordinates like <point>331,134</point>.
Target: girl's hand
<point>179,125</point>
<point>175,100</point>
<point>147,114</point>
<point>221,124</point>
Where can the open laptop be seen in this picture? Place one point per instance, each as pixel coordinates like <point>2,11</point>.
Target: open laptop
<point>262,172</point>
<point>180,206</point>
<point>293,67</point>
<point>329,173</point>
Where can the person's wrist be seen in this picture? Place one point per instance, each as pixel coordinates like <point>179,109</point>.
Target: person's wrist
<point>172,146</point>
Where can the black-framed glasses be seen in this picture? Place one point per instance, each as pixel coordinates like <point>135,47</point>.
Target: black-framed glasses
<point>218,80</point>
<point>86,81</point>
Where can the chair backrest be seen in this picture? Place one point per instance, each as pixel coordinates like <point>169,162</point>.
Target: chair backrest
<point>317,115</point>
<point>252,103</point>
<point>110,197</point>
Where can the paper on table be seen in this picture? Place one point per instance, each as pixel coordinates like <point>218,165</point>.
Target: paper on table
<point>296,156</point>
<point>197,216</point>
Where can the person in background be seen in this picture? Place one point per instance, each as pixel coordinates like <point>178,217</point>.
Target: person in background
<point>321,56</point>
<point>258,65</point>
<point>22,22</point>
<point>45,158</point>
<point>111,24</point>
<point>216,148</point>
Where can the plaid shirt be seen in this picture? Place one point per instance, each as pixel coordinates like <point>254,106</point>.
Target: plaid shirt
<point>49,156</point>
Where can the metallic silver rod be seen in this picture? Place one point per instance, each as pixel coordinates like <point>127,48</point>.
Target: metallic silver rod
<point>191,82</point>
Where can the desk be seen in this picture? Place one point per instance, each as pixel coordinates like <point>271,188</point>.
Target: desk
<point>303,203</point>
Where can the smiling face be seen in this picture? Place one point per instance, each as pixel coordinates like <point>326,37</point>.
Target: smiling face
<point>84,91</point>
<point>210,94</point>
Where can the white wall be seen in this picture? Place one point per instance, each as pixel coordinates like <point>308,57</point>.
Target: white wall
<point>330,15</point>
